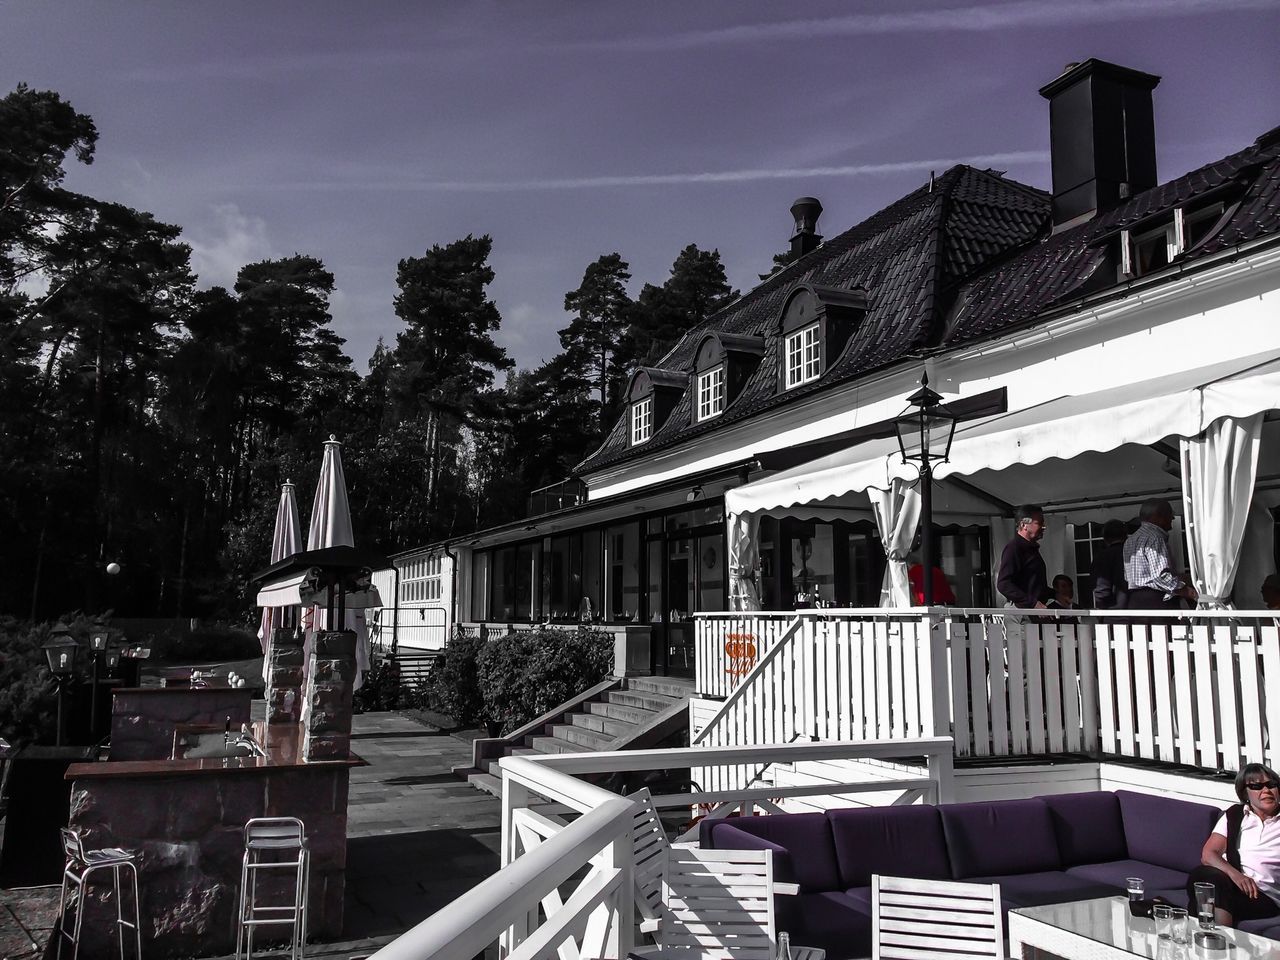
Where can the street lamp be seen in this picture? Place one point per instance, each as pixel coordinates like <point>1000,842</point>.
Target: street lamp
<point>60,652</point>
<point>924,435</point>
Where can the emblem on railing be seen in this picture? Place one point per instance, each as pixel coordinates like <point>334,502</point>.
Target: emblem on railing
<point>740,654</point>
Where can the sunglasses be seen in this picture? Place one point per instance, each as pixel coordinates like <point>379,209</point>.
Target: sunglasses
<point>1264,785</point>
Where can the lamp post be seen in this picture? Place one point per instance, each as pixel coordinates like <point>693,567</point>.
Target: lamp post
<point>60,652</point>
<point>924,435</point>
<point>97,644</point>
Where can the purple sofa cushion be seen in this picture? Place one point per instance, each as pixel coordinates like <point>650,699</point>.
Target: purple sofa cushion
<point>897,841</point>
<point>1164,831</point>
<point>1115,872</point>
<point>999,837</point>
<point>803,850</point>
<point>1045,886</point>
<point>831,921</point>
<point>1088,827</point>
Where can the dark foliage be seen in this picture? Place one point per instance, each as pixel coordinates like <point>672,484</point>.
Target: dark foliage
<point>524,675</point>
<point>453,688</point>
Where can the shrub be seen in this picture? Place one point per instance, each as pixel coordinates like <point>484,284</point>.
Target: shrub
<point>524,675</point>
<point>213,641</point>
<point>383,689</point>
<point>453,686</point>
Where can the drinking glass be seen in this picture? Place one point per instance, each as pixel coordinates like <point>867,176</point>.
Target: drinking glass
<point>1136,888</point>
<point>1178,928</point>
<point>1206,894</point>
<point>1162,914</point>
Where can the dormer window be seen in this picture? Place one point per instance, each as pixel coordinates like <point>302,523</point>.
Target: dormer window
<point>1148,250</point>
<point>816,325</point>
<point>641,420</point>
<point>804,356</point>
<point>711,393</point>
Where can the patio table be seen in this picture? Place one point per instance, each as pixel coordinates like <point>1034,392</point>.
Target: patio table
<point>1103,930</point>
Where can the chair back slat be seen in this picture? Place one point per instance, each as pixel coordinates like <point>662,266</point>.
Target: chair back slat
<point>72,845</point>
<point>914,918</point>
<point>649,847</point>
<point>719,904</point>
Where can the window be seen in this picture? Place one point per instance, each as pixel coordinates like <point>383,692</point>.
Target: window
<point>641,420</point>
<point>711,393</point>
<point>420,580</point>
<point>1146,252</point>
<point>804,356</point>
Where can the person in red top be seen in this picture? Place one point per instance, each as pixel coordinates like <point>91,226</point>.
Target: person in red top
<point>943,595</point>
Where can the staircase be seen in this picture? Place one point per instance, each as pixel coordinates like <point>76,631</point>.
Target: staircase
<point>637,712</point>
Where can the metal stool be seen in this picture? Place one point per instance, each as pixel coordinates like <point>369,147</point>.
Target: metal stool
<point>80,864</point>
<point>274,836</point>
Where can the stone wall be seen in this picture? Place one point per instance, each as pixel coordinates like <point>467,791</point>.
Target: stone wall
<point>143,720</point>
<point>190,831</point>
<point>286,671</point>
<point>332,674</point>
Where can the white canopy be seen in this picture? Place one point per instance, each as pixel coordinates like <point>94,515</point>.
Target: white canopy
<point>1066,427</point>
<point>298,589</point>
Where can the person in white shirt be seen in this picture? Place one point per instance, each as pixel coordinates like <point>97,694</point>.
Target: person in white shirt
<point>1241,858</point>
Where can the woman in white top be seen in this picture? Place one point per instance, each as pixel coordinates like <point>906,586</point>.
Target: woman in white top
<point>1241,858</point>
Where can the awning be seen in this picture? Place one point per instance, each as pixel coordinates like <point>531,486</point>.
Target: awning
<point>300,589</point>
<point>1065,427</point>
<point>282,593</point>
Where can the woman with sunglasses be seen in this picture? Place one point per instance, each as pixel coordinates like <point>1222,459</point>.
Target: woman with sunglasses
<point>1241,858</point>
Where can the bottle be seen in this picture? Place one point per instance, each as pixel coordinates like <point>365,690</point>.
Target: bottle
<point>784,946</point>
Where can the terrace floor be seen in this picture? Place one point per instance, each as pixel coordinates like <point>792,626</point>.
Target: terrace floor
<point>417,837</point>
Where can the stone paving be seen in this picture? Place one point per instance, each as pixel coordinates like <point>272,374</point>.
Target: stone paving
<point>417,838</point>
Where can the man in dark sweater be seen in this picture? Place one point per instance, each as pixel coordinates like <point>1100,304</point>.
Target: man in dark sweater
<point>1023,579</point>
<point>1109,588</point>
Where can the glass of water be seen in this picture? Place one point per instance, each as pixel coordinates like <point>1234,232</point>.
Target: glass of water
<point>1178,929</point>
<point>1136,889</point>
<point>1206,895</point>
<point>1162,914</point>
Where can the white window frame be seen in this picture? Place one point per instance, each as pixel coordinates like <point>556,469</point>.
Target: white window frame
<point>803,356</point>
<point>641,420</point>
<point>421,580</point>
<point>711,392</point>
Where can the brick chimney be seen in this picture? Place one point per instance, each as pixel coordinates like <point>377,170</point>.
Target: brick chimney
<point>1101,138</point>
<point>806,211</point>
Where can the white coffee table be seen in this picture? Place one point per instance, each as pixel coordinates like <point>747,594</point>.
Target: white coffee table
<point>1103,930</point>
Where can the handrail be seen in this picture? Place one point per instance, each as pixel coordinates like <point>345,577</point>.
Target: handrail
<point>464,928</point>
<point>740,691</point>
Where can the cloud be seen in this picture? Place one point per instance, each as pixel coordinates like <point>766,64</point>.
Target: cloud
<point>220,249</point>
<point>669,179</point>
<point>975,18</point>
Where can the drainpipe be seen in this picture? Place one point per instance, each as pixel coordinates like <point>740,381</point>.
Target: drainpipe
<point>395,611</point>
<point>453,590</point>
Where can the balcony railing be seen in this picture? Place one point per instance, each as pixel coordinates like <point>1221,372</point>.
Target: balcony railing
<point>1199,688</point>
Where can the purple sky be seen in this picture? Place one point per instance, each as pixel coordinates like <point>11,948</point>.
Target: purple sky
<point>366,132</point>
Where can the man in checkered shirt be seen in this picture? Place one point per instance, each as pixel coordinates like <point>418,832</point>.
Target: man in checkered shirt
<point>1152,583</point>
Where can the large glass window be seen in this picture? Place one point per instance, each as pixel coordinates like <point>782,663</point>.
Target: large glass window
<point>711,393</point>
<point>513,583</point>
<point>592,576</point>
<point>804,356</point>
<point>622,544</point>
<point>654,610</point>
<point>480,586</point>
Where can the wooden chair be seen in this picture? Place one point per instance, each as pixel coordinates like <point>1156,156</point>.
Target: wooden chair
<point>649,846</point>
<point>718,905</point>
<point>926,919</point>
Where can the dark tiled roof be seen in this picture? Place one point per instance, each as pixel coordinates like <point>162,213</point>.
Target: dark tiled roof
<point>1081,261</point>
<point>909,258</point>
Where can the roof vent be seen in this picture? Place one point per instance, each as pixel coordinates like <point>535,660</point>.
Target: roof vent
<point>1101,136</point>
<point>806,211</point>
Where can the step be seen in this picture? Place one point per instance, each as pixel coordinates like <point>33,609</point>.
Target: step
<point>556,745</point>
<point>677,687</point>
<point>486,782</point>
<point>617,711</point>
<point>602,724</point>
<point>649,701</point>
<point>589,739</point>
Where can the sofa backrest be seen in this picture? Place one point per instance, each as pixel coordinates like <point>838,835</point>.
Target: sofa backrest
<point>995,838</point>
<point>895,841</point>
<point>801,843</point>
<point>1088,827</point>
<point>1165,831</point>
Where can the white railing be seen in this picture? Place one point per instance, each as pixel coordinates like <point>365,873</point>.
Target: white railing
<point>729,645</point>
<point>1199,688</point>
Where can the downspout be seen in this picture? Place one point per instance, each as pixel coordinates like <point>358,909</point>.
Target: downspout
<point>395,610</point>
<point>453,589</point>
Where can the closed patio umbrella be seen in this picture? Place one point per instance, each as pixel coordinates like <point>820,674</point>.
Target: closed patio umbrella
<point>285,542</point>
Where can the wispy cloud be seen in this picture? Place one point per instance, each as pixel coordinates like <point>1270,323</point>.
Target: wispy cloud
<point>665,179</point>
<point>221,248</point>
<point>974,18</point>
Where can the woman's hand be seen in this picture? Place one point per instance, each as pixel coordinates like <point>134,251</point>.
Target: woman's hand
<point>1246,884</point>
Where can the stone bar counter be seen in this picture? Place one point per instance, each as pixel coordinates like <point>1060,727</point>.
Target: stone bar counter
<point>187,816</point>
<point>143,719</point>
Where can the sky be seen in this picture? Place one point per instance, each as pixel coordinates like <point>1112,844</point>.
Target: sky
<point>363,133</point>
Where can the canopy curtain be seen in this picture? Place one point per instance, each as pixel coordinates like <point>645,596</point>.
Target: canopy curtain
<point>1219,468</point>
<point>744,553</point>
<point>897,513</point>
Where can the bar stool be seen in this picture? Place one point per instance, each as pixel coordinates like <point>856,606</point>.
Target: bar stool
<point>80,864</point>
<point>274,837</point>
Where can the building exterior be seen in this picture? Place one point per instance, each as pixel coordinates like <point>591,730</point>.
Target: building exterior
<point>1113,340</point>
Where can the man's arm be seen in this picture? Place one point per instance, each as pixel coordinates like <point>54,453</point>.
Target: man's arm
<point>1157,561</point>
<point>1007,582</point>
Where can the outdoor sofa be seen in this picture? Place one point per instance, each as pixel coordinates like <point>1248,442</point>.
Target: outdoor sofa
<point>1053,849</point>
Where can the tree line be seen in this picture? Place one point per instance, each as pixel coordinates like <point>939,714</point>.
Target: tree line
<point>147,422</point>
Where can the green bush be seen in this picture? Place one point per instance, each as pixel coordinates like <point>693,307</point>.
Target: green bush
<point>453,687</point>
<point>212,641</point>
<point>383,689</point>
<point>524,675</point>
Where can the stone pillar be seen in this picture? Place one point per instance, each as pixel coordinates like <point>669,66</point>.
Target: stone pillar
<point>330,678</point>
<point>286,672</point>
